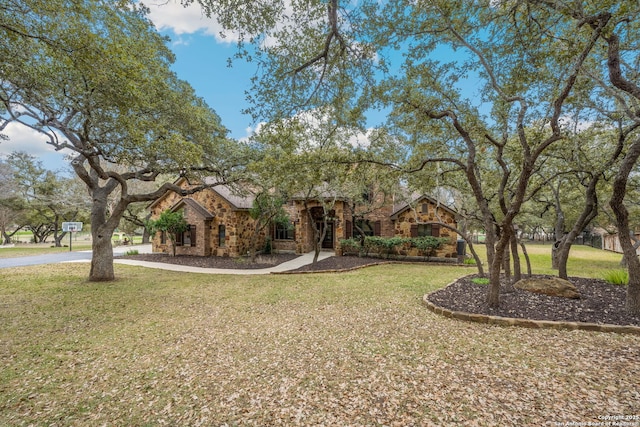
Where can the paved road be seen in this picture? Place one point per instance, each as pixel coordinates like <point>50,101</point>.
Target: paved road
<point>64,257</point>
<point>86,255</point>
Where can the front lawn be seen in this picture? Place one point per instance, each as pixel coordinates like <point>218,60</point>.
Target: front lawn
<point>358,348</point>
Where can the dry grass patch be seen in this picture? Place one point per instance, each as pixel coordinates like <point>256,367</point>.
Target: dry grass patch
<point>165,348</point>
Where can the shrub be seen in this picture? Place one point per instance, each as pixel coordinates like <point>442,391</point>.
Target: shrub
<point>350,246</point>
<point>428,244</point>
<point>480,280</point>
<point>616,277</point>
<point>383,245</point>
<point>132,252</point>
<point>268,248</point>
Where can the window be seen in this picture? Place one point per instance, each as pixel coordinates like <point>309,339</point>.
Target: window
<point>163,237</point>
<point>222,235</point>
<point>366,227</point>
<point>421,230</point>
<point>424,230</point>
<point>425,208</point>
<point>284,232</point>
<point>187,238</point>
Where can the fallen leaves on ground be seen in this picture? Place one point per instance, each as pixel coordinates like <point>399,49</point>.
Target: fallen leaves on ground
<point>356,349</point>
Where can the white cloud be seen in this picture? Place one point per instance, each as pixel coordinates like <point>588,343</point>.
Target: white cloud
<point>22,138</point>
<point>172,16</point>
<point>361,140</point>
<point>251,130</point>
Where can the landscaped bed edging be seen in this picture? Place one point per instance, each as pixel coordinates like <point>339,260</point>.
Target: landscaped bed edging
<point>526,323</point>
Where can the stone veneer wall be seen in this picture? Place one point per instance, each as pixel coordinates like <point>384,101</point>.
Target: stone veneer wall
<point>407,218</point>
<point>304,229</point>
<point>236,242</point>
<point>381,214</point>
<point>288,245</point>
<point>239,226</point>
<point>168,201</point>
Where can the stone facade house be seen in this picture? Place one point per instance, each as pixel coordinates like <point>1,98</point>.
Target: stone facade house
<point>220,224</point>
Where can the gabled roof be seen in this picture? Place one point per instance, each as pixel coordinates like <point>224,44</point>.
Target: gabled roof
<point>237,202</point>
<point>402,207</point>
<point>197,207</point>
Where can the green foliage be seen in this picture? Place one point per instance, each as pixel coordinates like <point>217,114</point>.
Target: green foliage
<point>383,245</point>
<point>350,246</point>
<point>172,223</point>
<point>268,247</point>
<point>132,252</point>
<point>427,245</point>
<point>480,280</point>
<point>616,277</point>
<point>168,221</point>
<point>95,78</point>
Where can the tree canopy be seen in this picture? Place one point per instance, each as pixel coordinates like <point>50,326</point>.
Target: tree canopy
<point>487,88</point>
<point>94,78</point>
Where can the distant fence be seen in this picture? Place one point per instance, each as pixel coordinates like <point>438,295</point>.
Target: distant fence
<point>611,242</point>
<point>588,239</point>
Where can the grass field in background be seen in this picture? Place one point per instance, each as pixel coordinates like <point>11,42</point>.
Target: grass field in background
<point>584,261</point>
<point>167,348</point>
<point>81,242</point>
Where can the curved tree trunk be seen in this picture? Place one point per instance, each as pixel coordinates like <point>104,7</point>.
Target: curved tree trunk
<point>102,258</point>
<point>101,233</point>
<point>517,268</point>
<point>622,218</point>
<point>476,257</point>
<point>493,294</point>
<point>146,237</point>
<point>526,257</point>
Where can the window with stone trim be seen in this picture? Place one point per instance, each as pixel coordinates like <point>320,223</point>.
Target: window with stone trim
<point>421,230</point>
<point>187,238</point>
<point>284,232</point>
<point>368,227</point>
<point>222,235</point>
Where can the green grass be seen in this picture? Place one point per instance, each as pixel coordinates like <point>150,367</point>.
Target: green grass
<point>29,249</point>
<point>168,348</point>
<point>584,261</point>
<point>616,277</point>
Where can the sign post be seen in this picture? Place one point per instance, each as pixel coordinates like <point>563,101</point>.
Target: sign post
<point>71,227</point>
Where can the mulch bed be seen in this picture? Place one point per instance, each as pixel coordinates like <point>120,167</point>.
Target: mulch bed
<point>262,261</point>
<point>337,263</point>
<point>600,302</point>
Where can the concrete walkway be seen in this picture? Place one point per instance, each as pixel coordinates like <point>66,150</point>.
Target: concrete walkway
<point>118,251</point>
<point>285,266</point>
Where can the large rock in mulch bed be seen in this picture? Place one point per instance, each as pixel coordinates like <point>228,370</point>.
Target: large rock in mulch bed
<point>553,286</point>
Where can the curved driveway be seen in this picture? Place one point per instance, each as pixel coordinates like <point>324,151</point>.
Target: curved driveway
<point>120,250</point>
<point>65,256</point>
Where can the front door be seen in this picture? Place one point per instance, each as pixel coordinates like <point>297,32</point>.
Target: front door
<point>327,242</point>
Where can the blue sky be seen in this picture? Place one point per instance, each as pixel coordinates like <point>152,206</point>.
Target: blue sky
<point>201,60</point>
